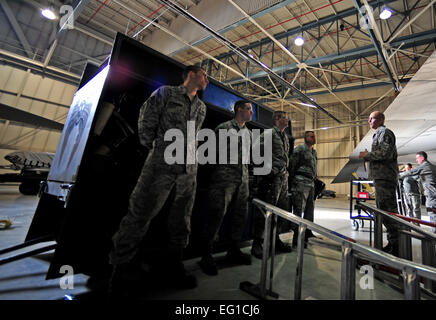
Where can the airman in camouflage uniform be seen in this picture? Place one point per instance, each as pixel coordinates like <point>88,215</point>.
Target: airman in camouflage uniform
<point>303,171</point>
<point>229,191</point>
<point>167,108</point>
<point>383,170</point>
<point>273,188</point>
<point>427,173</point>
<point>412,194</point>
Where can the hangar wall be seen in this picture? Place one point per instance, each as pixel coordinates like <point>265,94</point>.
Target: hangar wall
<point>51,99</point>
<point>39,95</point>
<point>335,145</point>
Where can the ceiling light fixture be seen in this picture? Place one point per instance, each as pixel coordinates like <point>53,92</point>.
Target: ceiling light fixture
<point>48,13</point>
<point>299,41</point>
<point>386,13</point>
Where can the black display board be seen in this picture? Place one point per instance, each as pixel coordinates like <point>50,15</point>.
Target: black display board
<point>83,212</point>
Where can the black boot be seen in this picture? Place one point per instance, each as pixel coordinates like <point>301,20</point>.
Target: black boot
<point>235,255</point>
<point>257,248</point>
<point>126,280</point>
<point>176,275</point>
<point>282,247</point>
<point>208,265</point>
<point>392,248</point>
<point>207,262</point>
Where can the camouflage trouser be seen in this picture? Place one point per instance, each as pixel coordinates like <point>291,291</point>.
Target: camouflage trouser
<point>231,197</point>
<point>386,199</point>
<point>432,213</point>
<point>303,202</point>
<point>413,205</point>
<point>147,199</point>
<point>273,190</point>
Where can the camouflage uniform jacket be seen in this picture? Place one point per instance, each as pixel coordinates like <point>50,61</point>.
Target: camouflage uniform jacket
<point>169,107</point>
<point>233,171</point>
<point>382,159</point>
<point>411,185</point>
<point>303,167</point>
<point>280,151</point>
<point>427,174</point>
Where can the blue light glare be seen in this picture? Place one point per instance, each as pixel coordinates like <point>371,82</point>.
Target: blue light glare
<point>223,98</point>
<point>48,14</point>
<point>386,13</point>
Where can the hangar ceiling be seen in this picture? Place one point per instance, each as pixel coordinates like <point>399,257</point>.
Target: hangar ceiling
<point>339,54</point>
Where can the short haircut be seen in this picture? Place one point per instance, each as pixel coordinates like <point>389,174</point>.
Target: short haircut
<point>380,116</point>
<point>306,133</point>
<point>409,165</point>
<point>278,114</point>
<point>239,104</point>
<point>188,69</point>
<point>422,154</point>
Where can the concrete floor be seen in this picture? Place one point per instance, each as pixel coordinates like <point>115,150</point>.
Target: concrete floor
<point>25,279</point>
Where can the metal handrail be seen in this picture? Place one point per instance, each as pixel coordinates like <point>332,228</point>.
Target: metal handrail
<point>405,228</point>
<point>416,220</point>
<point>386,214</point>
<point>350,251</point>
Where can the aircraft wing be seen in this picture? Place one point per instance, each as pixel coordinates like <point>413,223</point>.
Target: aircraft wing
<point>27,119</point>
<point>412,118</point>
<point>30,159</point>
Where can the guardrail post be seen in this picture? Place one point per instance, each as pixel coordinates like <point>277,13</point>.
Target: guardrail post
<point>272,250</point>
<point>378,231</point>
<point>259,290</point>
<point>266,245</point>
<point>429,259</point>
<point>300,255</point>
<point>411,284</point>
<point>348,274</point>
<point>405,245</point>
